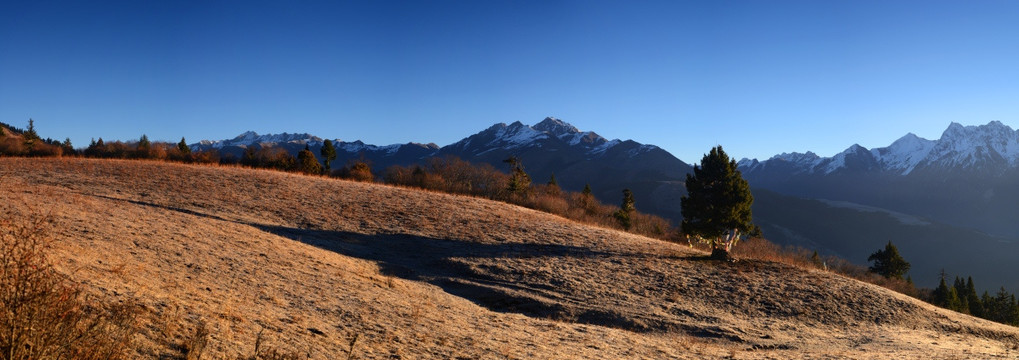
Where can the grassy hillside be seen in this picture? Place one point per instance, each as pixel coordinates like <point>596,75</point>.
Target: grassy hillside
<point>313,263</point>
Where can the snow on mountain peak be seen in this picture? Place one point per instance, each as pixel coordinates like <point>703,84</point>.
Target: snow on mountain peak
<point>905,153</point>
<point>971,145</point>
<point>515,135</point>
<point>556,127</point>
<point>993,145</point>
<point>249,138</point>
<point>839,160</point>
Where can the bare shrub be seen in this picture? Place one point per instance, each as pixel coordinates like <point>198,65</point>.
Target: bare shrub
<point>357,170</point>
<point>43,315</point>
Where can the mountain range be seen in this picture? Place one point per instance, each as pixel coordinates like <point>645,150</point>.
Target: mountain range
<point>946,202</point>
<point>552,146</point>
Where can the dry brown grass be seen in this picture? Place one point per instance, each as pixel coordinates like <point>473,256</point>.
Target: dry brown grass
<point>43,315</point>
<point>313,263</point>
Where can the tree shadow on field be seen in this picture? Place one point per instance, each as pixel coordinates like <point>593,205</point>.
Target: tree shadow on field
<point>446,263</point>
<point>435,261</point>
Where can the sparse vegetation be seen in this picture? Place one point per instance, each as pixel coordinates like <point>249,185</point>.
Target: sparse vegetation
<point>456,176</point>
<point>387,265</point>
<point>358,170</point>
<point>43,315</point>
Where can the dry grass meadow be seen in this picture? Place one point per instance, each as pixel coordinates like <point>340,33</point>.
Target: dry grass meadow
<point>330,269</point>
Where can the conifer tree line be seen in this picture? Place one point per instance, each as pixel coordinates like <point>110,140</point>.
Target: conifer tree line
<point>961,296</point>
<point>27,142</point>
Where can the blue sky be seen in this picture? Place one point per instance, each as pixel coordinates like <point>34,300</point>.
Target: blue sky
<point>758,77</point>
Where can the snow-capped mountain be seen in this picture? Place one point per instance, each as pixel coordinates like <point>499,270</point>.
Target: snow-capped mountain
<point>551,134</point>
<point>550,146</point>
<point>250,138</point>
<point>965,178</point>
<point>983,147</point>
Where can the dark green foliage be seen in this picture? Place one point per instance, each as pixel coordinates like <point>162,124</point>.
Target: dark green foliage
<point>716,208</point>
<point>940,295</point>
<point>144,148</point>
<point>1001,307</point>
<point>552,181</point>
<point>519,181</point>
<point>889,263</point>
<point>328,153</point>
<point>587,190</point>
<point>816,259</point>
<point>183,147</point>
<point>68,148</point>
<point>30,134</point>
<point>976,307</point>
<point>30,137</point>
<point>626,209</point>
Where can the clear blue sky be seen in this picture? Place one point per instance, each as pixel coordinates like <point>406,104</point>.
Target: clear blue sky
<point>758,77</point>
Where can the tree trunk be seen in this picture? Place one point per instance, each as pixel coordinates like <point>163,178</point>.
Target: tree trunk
<point>720,254</point>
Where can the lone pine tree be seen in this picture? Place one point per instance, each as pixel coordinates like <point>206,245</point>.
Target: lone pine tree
<point>888,262</point>
<point>519,181</point>
<point>626,209</point>
<point>328,152</point>
<point>716,208</point>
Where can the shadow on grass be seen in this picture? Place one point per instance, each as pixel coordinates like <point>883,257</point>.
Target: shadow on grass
<point>441,262</point>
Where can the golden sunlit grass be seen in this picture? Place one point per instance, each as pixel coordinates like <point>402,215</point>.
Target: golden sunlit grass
<point>322,268</point>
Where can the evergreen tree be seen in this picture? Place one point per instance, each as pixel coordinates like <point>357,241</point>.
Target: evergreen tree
<point>328,153</point>
<point>816,259</point>
<point>976,308</point>
<point>626,209</point>
<point>307,163</point>
<point>988,303</point>
<point>952,301</point>
<point>30,134</point>
<point>940,295</point>
<point>30,137</point>
<point>716,208</point>
<point>587,200</point>
<point>888,262</point>
<point>144,147</point>
<point>960,290</point>
<point>183,147</point>
<point>553,185</point>
<point>519,181</point>
<point>68,148</point>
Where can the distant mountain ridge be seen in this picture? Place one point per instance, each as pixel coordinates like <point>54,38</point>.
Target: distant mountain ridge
<point>577,158</point>
<point>984,147</point>
<point>953,191</point>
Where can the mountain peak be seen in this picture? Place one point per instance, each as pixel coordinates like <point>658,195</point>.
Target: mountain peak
<point>249,138</point>
<point>556,127</point>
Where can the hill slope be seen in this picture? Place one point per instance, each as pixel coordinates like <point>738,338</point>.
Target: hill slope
<point>412,274</point>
